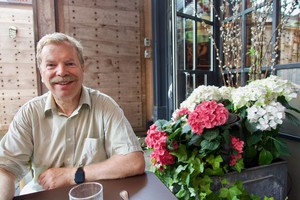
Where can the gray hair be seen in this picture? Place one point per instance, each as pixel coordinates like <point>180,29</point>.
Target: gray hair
<point>57,38</point>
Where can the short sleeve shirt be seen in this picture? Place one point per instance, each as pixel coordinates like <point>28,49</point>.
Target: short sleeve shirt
<point>39,135</point>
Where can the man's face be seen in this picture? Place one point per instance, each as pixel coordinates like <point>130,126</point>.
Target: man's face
<point>61,71</point>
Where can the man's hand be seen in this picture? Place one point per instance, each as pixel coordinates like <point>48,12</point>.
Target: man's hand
<point>56,177</point>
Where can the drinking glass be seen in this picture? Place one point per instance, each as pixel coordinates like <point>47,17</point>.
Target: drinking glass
<point>87,191</point>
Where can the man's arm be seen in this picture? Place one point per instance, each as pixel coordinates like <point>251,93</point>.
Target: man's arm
<point>7,185</point>
<point>118,166</point>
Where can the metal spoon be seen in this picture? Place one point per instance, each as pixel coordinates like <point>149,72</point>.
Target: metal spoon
<point>124,195</point>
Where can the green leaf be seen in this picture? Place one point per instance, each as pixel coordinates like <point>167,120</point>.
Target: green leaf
<point>211,134</point>
<point>186,128</point>
<point>292,118</point>
<point>239,166</point>
<point>175,133</point>
<point>210,145</point>
<point>180,153</point>
<point>224,192</point>
<point>281,147</point>
<point>195,140</point>
<point>265,157</point>
<point>254,139</point>
<point>226,136</point>
<point>284,102</point>
<point>250,126</point>
<point>160,123</point>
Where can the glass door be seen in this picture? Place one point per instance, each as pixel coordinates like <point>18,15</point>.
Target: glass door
<point>192,24</point>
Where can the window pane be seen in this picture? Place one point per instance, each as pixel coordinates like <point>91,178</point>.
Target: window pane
<point>203,47</point>
<point>290,37</point>
<point>259,38</point>
<point>185,38</point>
<point>229,8</point>
<point>186,6</point>
<point>204,9</point>
<point>232,44</point>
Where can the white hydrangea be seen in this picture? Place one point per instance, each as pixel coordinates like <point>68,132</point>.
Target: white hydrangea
<point>226,92</point>
<point>247,96</point>
<point>266,117</point>
<point>201,93</point>
<point>276,87</point>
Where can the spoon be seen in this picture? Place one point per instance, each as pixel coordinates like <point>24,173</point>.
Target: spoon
<point>124,195</point>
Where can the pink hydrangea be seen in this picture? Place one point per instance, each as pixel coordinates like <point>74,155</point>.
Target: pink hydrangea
<point>237,145</point>
<point>157,140</point>
<point>179,113</point>
<point>207,114</point>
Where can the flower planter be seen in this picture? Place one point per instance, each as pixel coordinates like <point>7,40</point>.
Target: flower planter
<point>266,180</point>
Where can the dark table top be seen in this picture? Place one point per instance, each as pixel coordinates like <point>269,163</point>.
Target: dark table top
<point>142,187</point>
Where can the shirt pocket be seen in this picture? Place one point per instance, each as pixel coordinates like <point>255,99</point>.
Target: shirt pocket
<point>93,151</point>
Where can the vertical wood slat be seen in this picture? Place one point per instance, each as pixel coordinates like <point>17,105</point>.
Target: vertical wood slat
<point>18,80</point>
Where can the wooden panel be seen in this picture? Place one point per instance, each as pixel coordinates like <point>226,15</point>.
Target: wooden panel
<point>127,5</point>
<point>99,16</point>
<point>117,34</point>
<point>111,34</point>
<point>18,78</point>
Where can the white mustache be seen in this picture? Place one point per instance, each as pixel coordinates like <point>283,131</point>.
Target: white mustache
<point>58,79</point>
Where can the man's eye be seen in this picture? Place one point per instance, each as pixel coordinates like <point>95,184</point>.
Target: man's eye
<point>71,64</point>
<point>50,65</point>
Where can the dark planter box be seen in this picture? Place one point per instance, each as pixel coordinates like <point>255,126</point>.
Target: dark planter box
<point>266,180</point>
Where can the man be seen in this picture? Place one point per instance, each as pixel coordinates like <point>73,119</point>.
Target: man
<point>69,135</point>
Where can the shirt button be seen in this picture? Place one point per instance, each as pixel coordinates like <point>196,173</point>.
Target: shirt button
<point>69,139</point>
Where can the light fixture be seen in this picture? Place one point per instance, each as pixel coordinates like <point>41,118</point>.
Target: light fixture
<point>13,32</point>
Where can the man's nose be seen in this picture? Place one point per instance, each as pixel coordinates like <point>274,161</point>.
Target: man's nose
<point>61,70</point>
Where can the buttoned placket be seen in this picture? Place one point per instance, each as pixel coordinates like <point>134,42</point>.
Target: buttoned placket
<point>70,140</point>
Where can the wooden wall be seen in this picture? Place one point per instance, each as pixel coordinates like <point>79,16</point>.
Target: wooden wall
<point>18,78</point>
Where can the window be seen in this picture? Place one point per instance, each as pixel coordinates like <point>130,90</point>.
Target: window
<point>234,38</point>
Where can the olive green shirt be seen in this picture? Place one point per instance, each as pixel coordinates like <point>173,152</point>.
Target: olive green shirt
<point>40,135</point>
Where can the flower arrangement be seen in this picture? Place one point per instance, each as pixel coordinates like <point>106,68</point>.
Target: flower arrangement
<point>219,130</point>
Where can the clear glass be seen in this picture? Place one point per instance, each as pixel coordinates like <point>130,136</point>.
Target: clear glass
<point>290,37</point>
<point>230,7</point>
<point>204,9</point>
<point>87,191</point>
<point>203,47</point>
<point>186,6</point>
<point>185,41</point>
<point>260,49</point>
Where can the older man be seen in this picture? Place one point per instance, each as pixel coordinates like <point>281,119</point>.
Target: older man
<point>69,135</point>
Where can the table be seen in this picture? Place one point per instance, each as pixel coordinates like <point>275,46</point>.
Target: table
<point>142,187</point>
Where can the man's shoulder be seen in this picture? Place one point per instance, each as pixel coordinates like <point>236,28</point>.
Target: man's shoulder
<point>38,101</point>
<point>97,94</point>
<point>100,98</point>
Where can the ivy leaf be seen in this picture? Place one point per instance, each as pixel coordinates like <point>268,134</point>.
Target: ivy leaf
<point>180,153</point>
<point>265,157</point>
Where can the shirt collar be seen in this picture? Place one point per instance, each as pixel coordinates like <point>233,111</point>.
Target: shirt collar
<point>85,99</point>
